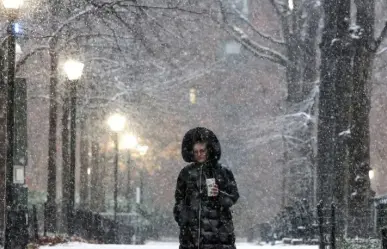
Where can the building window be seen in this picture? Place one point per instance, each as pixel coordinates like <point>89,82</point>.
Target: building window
<point>192,95</point>
<point>232,47</point>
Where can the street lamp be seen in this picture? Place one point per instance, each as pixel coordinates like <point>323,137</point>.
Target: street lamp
<point>116,123</point>
<point>73,70</point>
<point>11,228</point>
<point>12,8</point>
<point>142,149</point>
<point>14,5</point>
<point>128,141</point>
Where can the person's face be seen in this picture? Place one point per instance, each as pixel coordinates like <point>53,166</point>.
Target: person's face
<point>200,152</point>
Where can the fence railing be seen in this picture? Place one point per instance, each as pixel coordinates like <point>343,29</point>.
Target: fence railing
<point>384,238</point>
<point>89,226</point>
<point>327,237</point>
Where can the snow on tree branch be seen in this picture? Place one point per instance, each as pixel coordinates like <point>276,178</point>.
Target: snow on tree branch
<point>257,49</point>
<point>260,33</point>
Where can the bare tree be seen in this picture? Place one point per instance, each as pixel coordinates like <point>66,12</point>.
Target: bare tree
<point>344,143</point>
<point>294,50</point>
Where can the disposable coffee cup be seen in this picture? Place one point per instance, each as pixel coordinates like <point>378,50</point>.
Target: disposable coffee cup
<point>210,184</point>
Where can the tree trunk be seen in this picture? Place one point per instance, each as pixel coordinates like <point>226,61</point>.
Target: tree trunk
<point>346,69</point>
<point>293,74</point>
<point>343,84</point>
<point>359,208</point>
<point>326,121</point>
<point>84,145</point>
<point>51,169</point>
<point>309,78</point>
<point>102,181</point>
<point>51,180</point>
<point>310,70</point>
<point>3,135</point>
<point>96,173</point>
<point>301,77</point>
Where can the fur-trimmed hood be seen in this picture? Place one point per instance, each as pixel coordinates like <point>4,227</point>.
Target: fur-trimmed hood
<point>200,134</point>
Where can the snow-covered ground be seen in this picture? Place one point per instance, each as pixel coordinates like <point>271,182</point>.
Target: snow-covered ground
<point>166,245</point>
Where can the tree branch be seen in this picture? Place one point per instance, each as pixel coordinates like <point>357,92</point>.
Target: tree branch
<point>383,34</point>
<point>27,56</point>
<point>87,11</point>
<point>381,51</point>
<point>261,34</point>
<point>168,8</point>
<point>259,49</point>
<point>131,3</point>
<point>278,11</point>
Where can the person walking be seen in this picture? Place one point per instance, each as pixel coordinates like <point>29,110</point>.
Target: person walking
<point>205,192</point>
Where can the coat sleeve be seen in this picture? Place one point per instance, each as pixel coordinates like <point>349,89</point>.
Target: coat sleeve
<point>229,194</point>
<point>179,198</point>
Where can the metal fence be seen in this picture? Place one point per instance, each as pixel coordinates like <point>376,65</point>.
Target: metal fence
<point>89,226</point>
<point>308,226</point>
<point>327,227</point>
<point>324,228</point>
<point>95,227</point>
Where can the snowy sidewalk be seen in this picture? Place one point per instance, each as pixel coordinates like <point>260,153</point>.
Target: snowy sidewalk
<point>165,245</point>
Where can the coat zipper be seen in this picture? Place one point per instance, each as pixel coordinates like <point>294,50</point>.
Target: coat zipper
<point>200,203</point>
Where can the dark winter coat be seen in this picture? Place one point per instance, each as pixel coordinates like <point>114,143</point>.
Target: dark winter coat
<point>203,219</point>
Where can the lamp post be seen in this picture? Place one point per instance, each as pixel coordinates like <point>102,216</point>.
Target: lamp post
<point>142,150</point>
<point>128,142</point>
<point>73,70</point>
<point>12,236</point>
<point>129,185</point>
<point>116,123</point>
